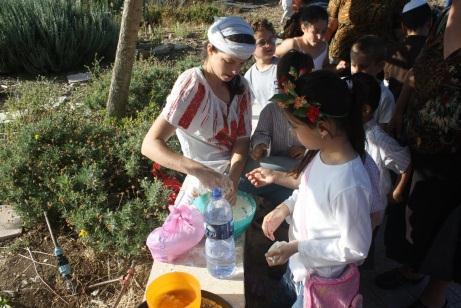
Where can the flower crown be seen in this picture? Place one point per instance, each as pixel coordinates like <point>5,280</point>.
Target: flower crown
<point>300,106</point>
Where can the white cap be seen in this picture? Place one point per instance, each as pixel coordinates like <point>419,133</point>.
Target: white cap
<point>413,4</point>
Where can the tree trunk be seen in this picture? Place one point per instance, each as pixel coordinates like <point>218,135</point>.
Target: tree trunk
<point>124,59</point>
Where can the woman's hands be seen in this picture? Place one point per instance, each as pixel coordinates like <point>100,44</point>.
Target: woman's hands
<point>261,176</point>
<point>281,253</point>
<point>273,220</point>
<point>230,192</point>
<point>210,178</point>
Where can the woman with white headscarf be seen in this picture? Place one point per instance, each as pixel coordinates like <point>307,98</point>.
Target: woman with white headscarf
<point>209,109</point>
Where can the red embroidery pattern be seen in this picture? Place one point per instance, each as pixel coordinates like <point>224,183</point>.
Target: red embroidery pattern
<point>242,110</point>
<point>193,107</point>
<point>226,137</point>
<point>174,105</point>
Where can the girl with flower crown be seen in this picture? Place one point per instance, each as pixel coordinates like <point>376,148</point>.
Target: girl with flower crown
<point>329,212</point>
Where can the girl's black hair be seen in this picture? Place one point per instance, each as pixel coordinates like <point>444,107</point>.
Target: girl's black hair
<point>365,90</point>
<point>312,14</point>
<point>292,27</point>
<point>294,59</point>
<point>306,15</point>
<point>335,100</point>
<point>235,86</point>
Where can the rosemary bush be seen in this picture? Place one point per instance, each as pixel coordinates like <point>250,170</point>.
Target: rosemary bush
<point>43,36</point>
<point>85,169</point>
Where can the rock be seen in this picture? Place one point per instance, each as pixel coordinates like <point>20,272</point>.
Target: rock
<point>180,47</point>
<point>79,77</point>
<point>58,101</point>
<point>6,117</point>
<point>162,49</point>
<point>10,222</point>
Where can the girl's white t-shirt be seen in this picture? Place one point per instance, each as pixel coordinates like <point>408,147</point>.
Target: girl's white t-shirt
<point>330,218</point>
<point>207,127</point>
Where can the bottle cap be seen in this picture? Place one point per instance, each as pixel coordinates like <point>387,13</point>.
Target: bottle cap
<point>216,193</point>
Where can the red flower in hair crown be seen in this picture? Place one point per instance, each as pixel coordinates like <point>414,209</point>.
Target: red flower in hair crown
<point>299,106</point>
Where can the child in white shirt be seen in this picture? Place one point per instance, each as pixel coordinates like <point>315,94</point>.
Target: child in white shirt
<point>368,56</point>
<point>387,153</point>
<point>273,145</point>
<point>262,76</point>
<point>329,214</point>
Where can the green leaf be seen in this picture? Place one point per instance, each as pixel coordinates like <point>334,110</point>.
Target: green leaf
<point>301,113</point>
<point>281,97</point>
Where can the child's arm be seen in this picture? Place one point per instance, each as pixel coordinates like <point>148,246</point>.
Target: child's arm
<point>260,177</point>
<point>332,27</point>
<point>237,163</point>
<point>333,12</point>
<point>261,139</point>
<point>401,184</point>
<point>274,219</point>
<point>284,47</point>
<point>397,159</point>
<point>396,123</point>
<point>451,41</point>
<point>352,215</point>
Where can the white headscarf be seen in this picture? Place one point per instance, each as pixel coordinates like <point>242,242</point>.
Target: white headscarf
<point>225,26</point>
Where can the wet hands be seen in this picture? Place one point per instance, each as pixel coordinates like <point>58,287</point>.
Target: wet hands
<point>210,178</point>
<point>259,152</point>
<point>273,220</point>
<point>280,252</point>
<point>230,192</point>
<point>261,177</point>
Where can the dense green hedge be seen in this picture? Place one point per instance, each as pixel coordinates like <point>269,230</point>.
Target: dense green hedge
<point>84,169</point>
<point>43,36</point>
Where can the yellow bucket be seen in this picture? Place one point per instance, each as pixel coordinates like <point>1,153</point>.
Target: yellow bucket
<point>174,290</point>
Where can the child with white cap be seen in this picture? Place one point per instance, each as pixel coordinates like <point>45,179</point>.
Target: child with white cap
<point>416,23</point>
<point>209,109</point>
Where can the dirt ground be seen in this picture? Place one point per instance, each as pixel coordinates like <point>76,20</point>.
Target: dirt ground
<point>20,285</point>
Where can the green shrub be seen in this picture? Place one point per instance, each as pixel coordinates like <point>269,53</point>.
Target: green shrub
<point>151,82</point>
<point>187,62</point>
<point>199,13</point>
<point>152,14</point>
<point>43,36</point>
<point>196,12</point>
<point>84,169</point>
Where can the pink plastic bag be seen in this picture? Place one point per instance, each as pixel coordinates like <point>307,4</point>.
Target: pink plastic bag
<point>341,292</point>
<point>182,230</point>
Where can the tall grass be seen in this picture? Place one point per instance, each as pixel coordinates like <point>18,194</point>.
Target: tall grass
<point>44,36</point>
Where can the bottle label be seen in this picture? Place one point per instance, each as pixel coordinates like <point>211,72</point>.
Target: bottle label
<point>220,232</point>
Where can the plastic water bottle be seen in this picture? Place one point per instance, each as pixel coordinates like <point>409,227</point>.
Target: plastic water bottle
<point>219,245</point>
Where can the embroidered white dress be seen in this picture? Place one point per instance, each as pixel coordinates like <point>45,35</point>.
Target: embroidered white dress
<point>206,126</point>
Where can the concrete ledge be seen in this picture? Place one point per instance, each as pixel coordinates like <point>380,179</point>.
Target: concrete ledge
<point>194,263</point>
